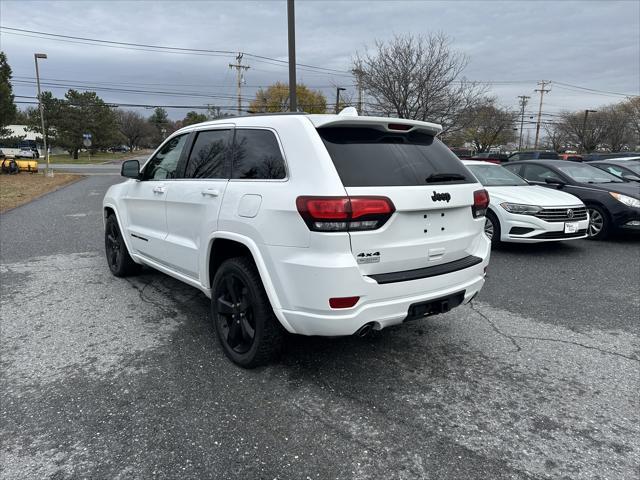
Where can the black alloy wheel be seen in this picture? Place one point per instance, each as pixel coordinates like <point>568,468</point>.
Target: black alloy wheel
<point>248,330</point>
<point>235,314</point>
<point>120,262</point>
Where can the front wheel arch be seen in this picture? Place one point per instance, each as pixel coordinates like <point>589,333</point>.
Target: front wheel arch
<point>607,225</point>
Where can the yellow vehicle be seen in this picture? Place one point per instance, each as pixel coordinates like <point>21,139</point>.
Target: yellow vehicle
<point>27,165</point>
<point>10,165</point>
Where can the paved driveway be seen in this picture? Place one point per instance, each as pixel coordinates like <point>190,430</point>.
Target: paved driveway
<point>113,378</point>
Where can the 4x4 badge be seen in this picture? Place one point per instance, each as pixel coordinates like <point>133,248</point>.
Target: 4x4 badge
<point>437,197</point>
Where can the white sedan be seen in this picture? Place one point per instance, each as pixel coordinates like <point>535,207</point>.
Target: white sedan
<point>520,212</point>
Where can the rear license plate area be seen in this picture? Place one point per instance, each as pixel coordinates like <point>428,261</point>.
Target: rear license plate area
<point>434,307</point>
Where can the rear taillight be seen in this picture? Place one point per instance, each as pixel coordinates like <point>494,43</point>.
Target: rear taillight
<point>480,203</point>
<point>342,214</point>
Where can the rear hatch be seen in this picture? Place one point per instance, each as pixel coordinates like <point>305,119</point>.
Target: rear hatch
<point>432,194</point>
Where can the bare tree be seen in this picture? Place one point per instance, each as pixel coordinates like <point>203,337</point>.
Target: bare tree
<point>618,128</point>
<point>419,78</point>
<point>632,107</point>
<point>587,131</point>
<point>490,126</point>
<point>133,127</point>
<point>555,135</point>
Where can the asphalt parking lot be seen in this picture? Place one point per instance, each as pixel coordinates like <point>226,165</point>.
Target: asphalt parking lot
<point>111,378</point>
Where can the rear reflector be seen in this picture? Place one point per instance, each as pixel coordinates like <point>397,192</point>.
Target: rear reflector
<point>480,203</point>
<point>341,214</point>
<point>343,302</point>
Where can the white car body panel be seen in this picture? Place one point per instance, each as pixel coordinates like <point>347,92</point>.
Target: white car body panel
<point>301,269</point>
<point>530,195</point>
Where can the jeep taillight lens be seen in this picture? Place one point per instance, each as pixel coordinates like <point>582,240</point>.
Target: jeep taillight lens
<point>480,203</point>
<point>343,214</point>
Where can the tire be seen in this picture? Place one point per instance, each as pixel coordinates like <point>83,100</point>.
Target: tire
<point>247,329</point>
<point>120,262</point>
<point>492,227</point>
<point>599,226</point>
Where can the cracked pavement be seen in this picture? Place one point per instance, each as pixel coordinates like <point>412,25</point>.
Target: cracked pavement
<point>111,378</point>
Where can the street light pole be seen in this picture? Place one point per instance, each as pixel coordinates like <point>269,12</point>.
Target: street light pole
<point>338,90</point>
<point>42,56</point>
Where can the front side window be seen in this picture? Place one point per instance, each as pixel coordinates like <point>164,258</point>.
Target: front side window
<point>209,156</point>
<point>538,173</point>
<point>164,165</point>
<point>256,155</point>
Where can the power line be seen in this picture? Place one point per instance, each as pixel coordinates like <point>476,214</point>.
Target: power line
<point>124,83</point>
<point>595,90</point>
<point>201,51</point>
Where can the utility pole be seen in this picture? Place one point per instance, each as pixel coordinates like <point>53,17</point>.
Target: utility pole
<point>584,128</point>
<point>358,73</point>
<point>239,68</point>
<point>291,24</point>
<point>48,172</point>
<point>523,103</point>
<point>338,90</point>
<point>542,91</point>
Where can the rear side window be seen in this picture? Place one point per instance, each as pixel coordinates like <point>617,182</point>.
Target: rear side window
<point>257,155</point>
<point>209,155</point>
<point>367,157</point>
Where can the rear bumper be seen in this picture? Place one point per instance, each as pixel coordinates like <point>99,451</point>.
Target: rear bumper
<point>308,282</point>
<point>382,314</point>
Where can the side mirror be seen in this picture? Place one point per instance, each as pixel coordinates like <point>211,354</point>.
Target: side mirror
<point>130,169</point>
<point>555,181</point>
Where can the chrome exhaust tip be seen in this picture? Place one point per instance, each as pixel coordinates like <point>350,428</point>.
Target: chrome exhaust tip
<point>364,330</point>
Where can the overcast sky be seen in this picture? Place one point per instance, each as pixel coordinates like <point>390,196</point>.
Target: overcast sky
<point>590,44</point>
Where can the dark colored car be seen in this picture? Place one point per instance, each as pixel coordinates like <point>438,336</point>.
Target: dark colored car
<point>627,169</point>
<point>119,149</point>
<point>612,202</point>
<point>533,155</point>
<point>605,156</point>
<point>491,157</point>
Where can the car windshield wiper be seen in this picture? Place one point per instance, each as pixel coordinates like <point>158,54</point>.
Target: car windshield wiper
<point>444,177</point>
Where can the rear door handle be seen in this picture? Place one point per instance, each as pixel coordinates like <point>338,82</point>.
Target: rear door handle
<point>211,192</point>
<point>159,189</point>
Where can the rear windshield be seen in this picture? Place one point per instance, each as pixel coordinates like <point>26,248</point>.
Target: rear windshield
<point>367,157</point>
<point>548,156</point>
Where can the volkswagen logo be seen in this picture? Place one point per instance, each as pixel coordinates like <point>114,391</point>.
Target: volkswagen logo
<point>570,213</point>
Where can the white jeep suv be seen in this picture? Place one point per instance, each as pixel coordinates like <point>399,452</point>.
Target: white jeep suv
<point>314,224</point>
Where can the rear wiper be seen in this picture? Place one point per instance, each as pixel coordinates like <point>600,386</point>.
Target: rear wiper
<point>444,177</point>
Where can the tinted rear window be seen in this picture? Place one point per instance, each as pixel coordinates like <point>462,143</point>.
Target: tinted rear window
<point>257,155</point>
<point>367,157</point>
